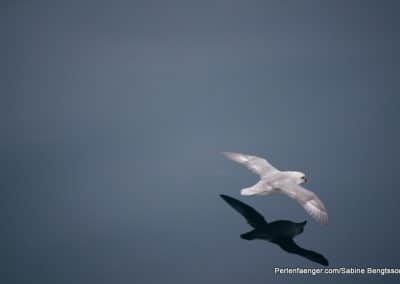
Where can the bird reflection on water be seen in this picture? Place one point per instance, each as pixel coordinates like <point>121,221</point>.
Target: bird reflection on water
<point>279,232</point>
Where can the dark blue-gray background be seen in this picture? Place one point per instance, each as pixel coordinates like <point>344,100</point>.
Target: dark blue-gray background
<point>114,114</point>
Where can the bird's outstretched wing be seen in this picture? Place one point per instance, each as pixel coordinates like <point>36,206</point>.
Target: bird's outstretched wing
<point>307,199</point>
<point>290,246</point>
<point>255,164</point>
<point>252,217</point>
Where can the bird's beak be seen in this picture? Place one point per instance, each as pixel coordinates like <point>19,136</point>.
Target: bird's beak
<point>305,180</point>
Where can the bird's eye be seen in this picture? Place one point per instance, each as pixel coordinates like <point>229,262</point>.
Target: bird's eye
<point>303,177</point>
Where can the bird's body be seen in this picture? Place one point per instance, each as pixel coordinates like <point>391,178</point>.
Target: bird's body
<point>277,230</point>
<point>273,180</point>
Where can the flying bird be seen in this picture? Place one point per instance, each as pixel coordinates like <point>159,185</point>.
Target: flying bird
<point>279,232</point>
<point>273,180</point>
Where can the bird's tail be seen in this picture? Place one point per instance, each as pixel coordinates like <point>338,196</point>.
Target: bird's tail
<point>248,236</point>
<point>249,191</point>
<point>258,188</point>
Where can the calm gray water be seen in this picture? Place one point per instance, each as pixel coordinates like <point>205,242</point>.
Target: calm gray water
<point>114,114</point>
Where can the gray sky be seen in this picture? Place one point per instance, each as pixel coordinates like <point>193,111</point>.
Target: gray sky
<point>115,113</point>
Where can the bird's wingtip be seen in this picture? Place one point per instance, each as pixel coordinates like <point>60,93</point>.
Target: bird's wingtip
<point>324,221</point>
<point>224,197</point>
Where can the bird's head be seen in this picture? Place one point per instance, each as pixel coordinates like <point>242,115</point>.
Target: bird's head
<point>300,227</point>
<point>299,177</point>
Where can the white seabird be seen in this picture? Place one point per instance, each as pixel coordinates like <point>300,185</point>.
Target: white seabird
<point>273,180</point>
